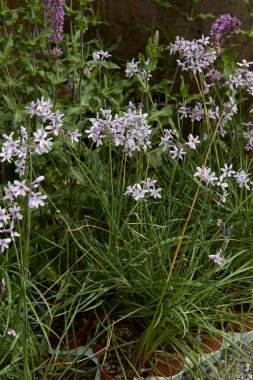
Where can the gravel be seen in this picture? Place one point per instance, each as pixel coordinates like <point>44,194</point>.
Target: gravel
<point>231,366</point>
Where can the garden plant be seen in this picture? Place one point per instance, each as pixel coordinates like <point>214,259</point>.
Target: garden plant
<point>126,194</point>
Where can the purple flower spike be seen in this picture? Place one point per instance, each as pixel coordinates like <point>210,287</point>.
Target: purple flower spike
<point>57,20</point>
<point>223,26</point>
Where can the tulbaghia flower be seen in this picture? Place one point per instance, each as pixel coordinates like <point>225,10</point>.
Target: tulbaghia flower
<point>223,196</point>
<point>244,63</point>
<point>169,139</point>
<point>4,244</point>
<point>195,55</point>
<point>227,171</point>
<point>218,258</point>
<point>135,68</point>
<point>12,332</point>
<point>100,55</point>
<point>177,152</point>
<point>143,190</point>
<point>192,141</point>
<point>14,212</point>
<point>206,175</point>
<point>20,188</point>
<point>223,26</point>
<point>243,179</point>
<point>214,75</point>
<point>131,130</point>
<point>74,136</point>
<point>3,217</point>
<point>36,199</point>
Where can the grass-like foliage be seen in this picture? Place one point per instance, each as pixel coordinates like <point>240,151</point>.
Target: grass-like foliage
<point>126,201</point>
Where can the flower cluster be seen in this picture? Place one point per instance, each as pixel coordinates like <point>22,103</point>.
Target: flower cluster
<point>144,190</point>
<point>19,151</point>
<point>131,130</point>
<point>135,68</point>
<point>100,55</point>
<point>213,111</point>
<point>242,78</point>
<point>211,180</point>
<point>170,142</point>
<point>194,55</point>
<point>11,213</point>
<point>223,26</point>
<point>97,56</point>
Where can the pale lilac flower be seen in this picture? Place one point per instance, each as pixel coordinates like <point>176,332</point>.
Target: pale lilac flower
<point>11,231</point>
<point>243,179</point>
<point>245,63</point>
<point>227,171</point>
<point>131,130</point>
<point>213,74</point>
<point>192,141</point>
<point>183,111</point>
<point>136,191</point>
<point>134,67</point>
<point>20,188</point>
<point>12,332</point>
<point>223,196</point>
<point>218,258</point>
<point>36,199</point>
<point>149,183</point>
<point>206,175</point>
<point>169,139</point>
<point>9,192</point>
<point>222,184</point>
<point>4,244</point>
<point>6,155</point>
<point>194,55</point>
<point>14,211</point>
<point>3,217</point>
<point>74,136</point>
<point>55,127</point>
<point>143,190</point>
<point>177,152</point>
<point>100,55</point>
<point>155,193</point>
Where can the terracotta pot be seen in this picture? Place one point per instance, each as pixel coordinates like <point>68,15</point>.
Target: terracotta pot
<point>76,337</point>
<point>105,376</point>
<point>245,325</point>
<point>70,342</point>
<point>168,365</point>
<point>211,343</point>
<point>111,360</point>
